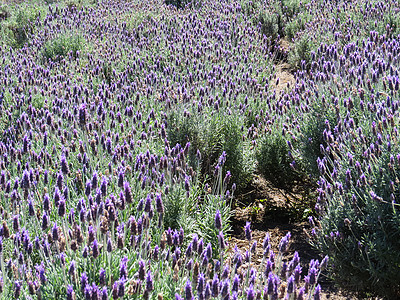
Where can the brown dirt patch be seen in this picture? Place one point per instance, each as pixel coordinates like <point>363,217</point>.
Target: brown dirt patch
<point>286,77</point>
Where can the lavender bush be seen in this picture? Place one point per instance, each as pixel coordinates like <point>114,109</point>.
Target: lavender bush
<point>126,128</point>
<point>98,199</point>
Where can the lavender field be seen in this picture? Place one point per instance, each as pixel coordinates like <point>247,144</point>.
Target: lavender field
<point>129,129</point>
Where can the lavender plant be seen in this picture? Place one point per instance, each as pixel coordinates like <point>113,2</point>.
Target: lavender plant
<point>103,192</point>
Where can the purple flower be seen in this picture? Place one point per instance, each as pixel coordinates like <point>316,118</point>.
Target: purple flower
<point>215,286</point>
<point>59,182</point>
<point>40,269</point>
<point>104,293</point>
<point>102,276</point>
<point>187,184</point>
<point>45,221</point>
<point>88,188</point>
<point>221,240</point>
<point>128,192</point>
<point>82,114</point>
<point>85,252</point>
<point>55,232</point>
<point>207,292</point>
<point>189,250</point>
<point>236,283</point>
<point>84,281</point>
<point>94,181</point>
<point>200,246</point>
<point>70,292</point>
<point>95,249</point>
<point>72,268</point>
<point>149,282</point>
<point>297,273</point>
<point>25,182</point>
<point>218,221</point>
<point>250,293</point>
<point>121,287</point>
<point>115,290</point>
<point>271,284</point>
<point>109,245</point>
<point>228,177</point>
<point>290,285</point>
<point>284,243</point>
<point>225,288</point>
<point>188,290</point>
<point>147,206</point>
<point>61,208</point>
<point>178,297</point>
<point>17,289</point>
<point>313,275</point>
<point>16,223</point>
<point>123,272</point>
<point>159,204</point>
<point>209,251</point>
<point>142,270</point>
<point>247,231</point>
<point>88,292</point>
<point>317,293</point>
<point>64,165</point>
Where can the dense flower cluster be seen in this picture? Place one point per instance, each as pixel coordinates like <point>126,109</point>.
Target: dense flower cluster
<point>88,176</point>
<point>114,116</point>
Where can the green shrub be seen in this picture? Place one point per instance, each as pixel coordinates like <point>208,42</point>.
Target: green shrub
<point>301,52</point>
<point>4,13</point>
<point>292,28</point>
<point>177,3</point>
<point>274,161</point>
<point>18,24</point>
<point>211,136</point>
<point>62,46</point>
<point>311,140</point>
<point>359,223</point>
<point>271,24</point>
<point>360,231</point>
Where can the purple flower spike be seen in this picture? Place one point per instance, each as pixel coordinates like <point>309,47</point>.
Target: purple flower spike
<point>104,293</point>
<point>218,221</point>
<point>178,297</point>
<point>121,287</point>
<point>17,289</point>
<point>317,293</point>
<point>247,231</point>
<point>70,292</point>
<point>88,292</point>
<point>290,285</point>
<point>221,240</point>
<point>250,293</point>
<point>188,291</point>
<point>102,276</point>
<point>84,281</point>
<point>95,249</point>
<point>284,243</point>
<point>149,282</point>
<point>159,204</point>
<point>16,223</point>
<point>55,232</point>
